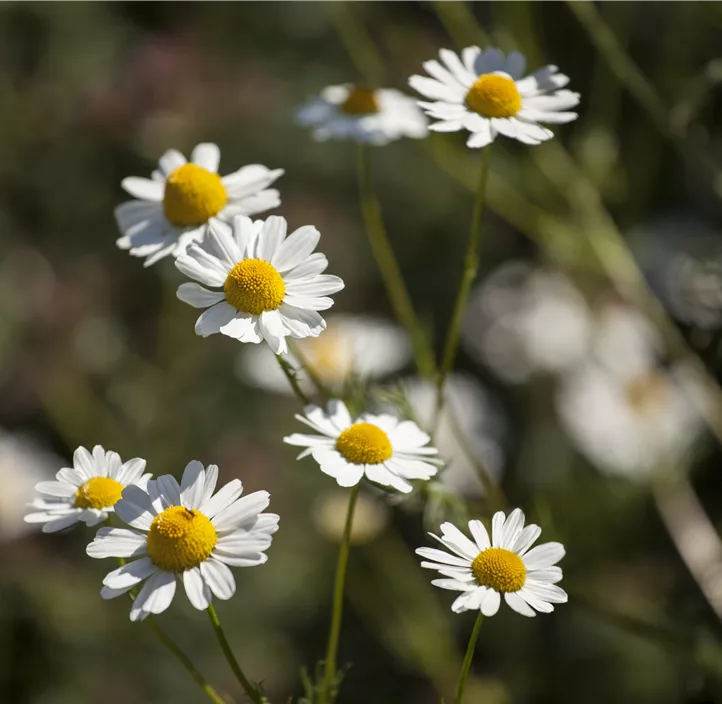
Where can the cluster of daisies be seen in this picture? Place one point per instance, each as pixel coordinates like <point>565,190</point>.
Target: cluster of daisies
<point>257,283</point>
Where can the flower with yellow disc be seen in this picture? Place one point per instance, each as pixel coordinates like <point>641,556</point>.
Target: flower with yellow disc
<point>386,450</point>
<point>484,569</point>
<point>363,114</point>
<point>87,492</point>
<point>184,533</point>
<point>484,92</point>
<point>181,198</point>
<point>272,285</point>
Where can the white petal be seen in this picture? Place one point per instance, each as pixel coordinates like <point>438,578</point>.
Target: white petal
<point>443,557</point>
<point>130,574</point>
<point>543,556</point>
<point>192,484</point>
<point>478,530</point>
<point>198,592</point>
<point>207,155</point>
<point>242,509</point>
<point>224,498</point>
<point>490,604</point>
<point>526,539</point>
<point>170,161</point>
<point>117,542</point>
<point>155,596</point>
<point>547,592</point>
<point>195,295</point>
<point>296,248</point>
<point>518,604</point>
<point>209,486</point>
<point>62,522</point>
<point>512,528</point>
<point>213,319</point>
<point>59,490</point>
<point>272,235</point>
<point>497,526</point>
<point>169,490</point>
<point>244,327</point>
<point>135,508</point>
<point>83,462</point>
<point>454,537</point>
<point>143,188</point>
<point>219,578</point>
<point>451,584</point>
<point>435,90</point>
<point>199,265</point>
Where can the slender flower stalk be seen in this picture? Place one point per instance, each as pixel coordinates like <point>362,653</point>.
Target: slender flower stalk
<point>471,264</point>
<point>337,608</point>
<point>248,688</point>
<point>389,267</point>
<point>458,698</point>
<point>163,637</point>
<point>293,381</point>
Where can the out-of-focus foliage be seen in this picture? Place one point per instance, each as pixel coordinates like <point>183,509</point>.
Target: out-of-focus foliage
<point>96,349</point>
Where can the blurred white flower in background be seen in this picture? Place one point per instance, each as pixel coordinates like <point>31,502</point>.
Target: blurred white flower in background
<point>331,508</point>
<point>525,319</point>
<point>470,430</point>
<point>682,258</point>
<point>352,346</point>
<point>484,93</point>
<point>366,115</point>
<point>23,463</point>
<point>174,206</point>
<point>624,410</point>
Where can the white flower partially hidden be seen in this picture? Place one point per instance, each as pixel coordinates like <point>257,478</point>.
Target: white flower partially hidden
<point>484,92</point>
<point>352,347</point>
<point>272,285</point>
<point>485,569</point>
<point>387,451</point>
<point>181,198</point>
<point>184,533</point>
<point>363,114</point>
<point>87,492</point>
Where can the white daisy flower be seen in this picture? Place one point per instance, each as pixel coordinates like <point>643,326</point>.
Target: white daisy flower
<point>87,492</point>
<point>483,92</point>
<point>272,285</point>
<point>174,206</point>
<point>363,114</point>
<point>353,346</point>
<point>485,569</point>
<point>184,533</point>
<point>388,451</point>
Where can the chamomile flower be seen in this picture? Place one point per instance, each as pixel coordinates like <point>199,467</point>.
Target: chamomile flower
<point>484,92</point>
<point>484,569</point>
<point>174,206</point>
<point>388,451</point>
<point>87,492</point>
<point>272,285</point>
<point>352,347</point>
<point>363,114</point>
<point>184,533</point>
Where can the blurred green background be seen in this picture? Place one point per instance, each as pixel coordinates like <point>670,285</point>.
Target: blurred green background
<point>96,349</point>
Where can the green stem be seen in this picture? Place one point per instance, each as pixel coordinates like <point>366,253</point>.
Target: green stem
<point>293,381</point>
<point>337,609</point>
<point>208,690</point>
<point>471,265</point>
<point>390,272</point>
<point>467,659</point>
<point>248,688</point>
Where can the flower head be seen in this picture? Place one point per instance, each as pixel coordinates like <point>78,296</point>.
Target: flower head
<point>388,451</point>
<point>181,198</point>
<point>352,347</point>
<point>483,92</point>
<point>87,492</point>
<point>363,114</point>
<point>272,285</point>
<point>184,533</point>
<point>484,569</point>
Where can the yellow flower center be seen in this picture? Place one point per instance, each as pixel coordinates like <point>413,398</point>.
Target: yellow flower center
<point>502,570</point>
<point>193,195</point>
<point>254,286</point>
<point>180,538</point>
<point>360,101</point>
<point>494,96</point>
<point>98,492</point>
<point>364,443</point>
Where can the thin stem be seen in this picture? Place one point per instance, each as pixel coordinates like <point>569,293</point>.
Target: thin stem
<point>293,381</point>
<point>467,659</point>
<point>390,271</point>
<point>208,690</point>
<point>471,264</point>
<point>248,688</point>
<point>337,608</point>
